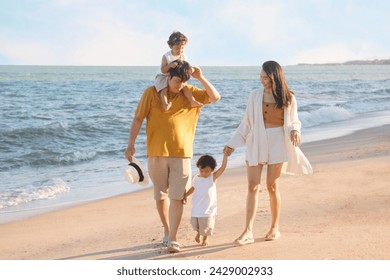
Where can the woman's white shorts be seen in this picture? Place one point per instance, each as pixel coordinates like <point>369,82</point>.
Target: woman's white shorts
<point>277,152</point>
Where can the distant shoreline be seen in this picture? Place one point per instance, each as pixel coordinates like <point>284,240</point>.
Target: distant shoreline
<point>354,62</point>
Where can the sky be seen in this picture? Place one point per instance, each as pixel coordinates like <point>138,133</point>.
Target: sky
<point>220,33</point>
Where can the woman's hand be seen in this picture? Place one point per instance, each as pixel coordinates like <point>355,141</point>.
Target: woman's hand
<point>227,150</point>
<point>295,138</point>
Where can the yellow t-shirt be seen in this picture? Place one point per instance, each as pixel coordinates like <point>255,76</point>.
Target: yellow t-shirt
<point>170,133</point>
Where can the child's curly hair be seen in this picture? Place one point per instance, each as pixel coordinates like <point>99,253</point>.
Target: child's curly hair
<point>177,38</point>
<point>206,160</point>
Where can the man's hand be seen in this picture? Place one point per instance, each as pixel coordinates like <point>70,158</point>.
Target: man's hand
<point>129,153</point>
<point>211,91</point>
<point>196,72</point>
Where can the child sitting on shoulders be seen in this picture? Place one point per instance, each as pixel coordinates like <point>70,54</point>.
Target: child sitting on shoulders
<point>177,42</point>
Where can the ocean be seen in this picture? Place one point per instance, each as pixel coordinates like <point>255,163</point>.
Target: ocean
<point>64,129</point>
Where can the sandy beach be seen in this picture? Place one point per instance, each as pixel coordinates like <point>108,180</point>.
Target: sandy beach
<point>340,212</point>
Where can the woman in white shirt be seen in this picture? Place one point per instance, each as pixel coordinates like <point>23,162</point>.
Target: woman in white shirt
<point>270,130</point>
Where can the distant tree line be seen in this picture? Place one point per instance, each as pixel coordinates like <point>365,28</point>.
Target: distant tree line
<point>368,62</point>
<point>355,62</point>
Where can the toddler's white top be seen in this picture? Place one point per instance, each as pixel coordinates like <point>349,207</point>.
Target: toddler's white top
<point>204,201</point>
<point>170,57</point>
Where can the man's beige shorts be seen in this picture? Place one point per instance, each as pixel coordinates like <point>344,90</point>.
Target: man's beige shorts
<point>203,225</point>
<point>171,176</point>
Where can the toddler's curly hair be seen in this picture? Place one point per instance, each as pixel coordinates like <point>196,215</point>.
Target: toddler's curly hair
<point>177,38</point>
<point>206,160</point>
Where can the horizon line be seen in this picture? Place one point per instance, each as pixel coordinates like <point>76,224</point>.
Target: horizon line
<point>358,61</point>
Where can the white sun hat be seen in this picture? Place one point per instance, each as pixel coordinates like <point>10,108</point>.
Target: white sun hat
<point>135,173</point>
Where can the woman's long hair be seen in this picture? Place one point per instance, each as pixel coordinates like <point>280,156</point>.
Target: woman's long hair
<point>280,90</point>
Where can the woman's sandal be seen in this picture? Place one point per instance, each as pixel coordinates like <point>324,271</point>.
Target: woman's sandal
<point>244,241</point>
<point>165,240</point>
<point>274,235</point>
<point>173,247</point>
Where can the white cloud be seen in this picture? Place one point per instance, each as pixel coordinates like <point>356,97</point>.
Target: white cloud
<point>124,32</point>
<point>27,52</point>
<point>332,53</point>
<point>115,46</point>
<point>263,24</point>
<point>338,53</point>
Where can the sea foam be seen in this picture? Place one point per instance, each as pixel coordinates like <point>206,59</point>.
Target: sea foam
<point>27,194</point>
<point>324,115</point>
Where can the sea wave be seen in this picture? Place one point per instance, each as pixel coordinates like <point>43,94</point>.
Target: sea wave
<point>76,156</point>
<point>56,143</point>
<point>29,131</point>
<point>324,115</point>
<point>21,195</point>
<point>38,159</point>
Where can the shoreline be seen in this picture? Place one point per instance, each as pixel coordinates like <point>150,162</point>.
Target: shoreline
<point>332,214</point>
<point>326,131</point>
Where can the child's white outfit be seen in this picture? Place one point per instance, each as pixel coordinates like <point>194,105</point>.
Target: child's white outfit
<point>161,78</point>
<point>204,205</point>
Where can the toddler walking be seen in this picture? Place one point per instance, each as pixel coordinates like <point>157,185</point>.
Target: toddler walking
<point>204,201</point>
<point>176,42</point>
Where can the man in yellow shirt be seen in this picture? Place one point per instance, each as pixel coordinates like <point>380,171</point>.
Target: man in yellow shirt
<point>169,141</point>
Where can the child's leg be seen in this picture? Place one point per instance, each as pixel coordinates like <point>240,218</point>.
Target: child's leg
<point>164,99</point>
<point>197,237</point>
<point>190,97</point>
<point>206,229</point>
<point>195,226</point>
<point>205,241</point>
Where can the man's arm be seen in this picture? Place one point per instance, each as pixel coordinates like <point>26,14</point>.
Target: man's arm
<point>211,91</point>
<point>134,130</point>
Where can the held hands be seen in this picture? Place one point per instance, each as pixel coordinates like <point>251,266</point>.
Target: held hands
<point>227,150</point>
<point>184,201</point>
<point>295,138</point>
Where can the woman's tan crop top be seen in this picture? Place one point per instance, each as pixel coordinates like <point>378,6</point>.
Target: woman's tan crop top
<point>273,115</point>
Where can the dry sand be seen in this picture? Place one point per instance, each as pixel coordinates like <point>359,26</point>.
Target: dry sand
<point>342,211</point>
